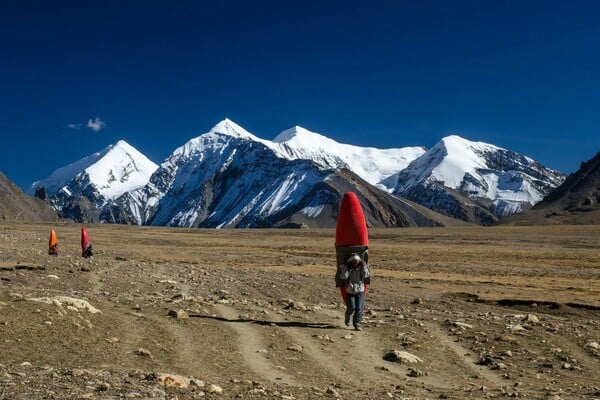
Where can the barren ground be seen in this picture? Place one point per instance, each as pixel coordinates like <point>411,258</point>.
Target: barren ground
<point>182,314</point>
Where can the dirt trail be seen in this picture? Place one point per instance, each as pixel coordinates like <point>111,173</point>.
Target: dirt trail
<point>250,344</point>
<point>464,357</point>
<point>366,347</point>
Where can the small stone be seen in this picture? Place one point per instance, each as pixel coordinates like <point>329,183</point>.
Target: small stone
<point>459,324</point>
<point>197,382</point>
<point>171,380</point>
<point>506,338</point>
<point>332,392</point>
<point>516,328</point>
<point>593,345</point>
<point>296,348</point>
<point>414,372</point>
<point>501,366</point>
<point>179,314</point>
<point>533,319</point>
<point>212,388</point>
<point>401,357</point>
<point>143,352</point>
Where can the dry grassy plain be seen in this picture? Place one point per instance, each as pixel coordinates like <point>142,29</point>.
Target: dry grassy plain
<point>490,312</point>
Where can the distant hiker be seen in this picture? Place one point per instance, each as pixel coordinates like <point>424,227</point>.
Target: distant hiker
<point>86,245</point>
<point>53,250</point>
<point>355,274</point>
<point>53,243</point>
<point>88,252</point>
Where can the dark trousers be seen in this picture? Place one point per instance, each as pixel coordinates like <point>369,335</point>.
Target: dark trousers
<point>355,306</point>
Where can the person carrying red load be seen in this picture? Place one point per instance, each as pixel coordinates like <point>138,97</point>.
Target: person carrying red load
<point>356,277</point>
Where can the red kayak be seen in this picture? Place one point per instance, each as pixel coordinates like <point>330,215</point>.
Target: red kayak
<point>351,235</point>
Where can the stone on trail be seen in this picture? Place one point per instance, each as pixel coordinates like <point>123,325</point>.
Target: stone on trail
<point>593,345</point>
<point>214,389</point>
<point>172,380</point>
<point>76,304</point>
<point>179,314</point>
<point>143,352</point>
<point>459,324</point>
<point>532,319</point>
<point>401,357</point>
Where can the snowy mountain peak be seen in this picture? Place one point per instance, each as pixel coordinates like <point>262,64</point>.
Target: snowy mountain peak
<point>300,135</point>
<point>458,143</point>
<point>476,170</point>
<point>217,137</point>
<point>123,168</point>
<point>116,169</point>
<point>371,164</point>
<point>228,127</point>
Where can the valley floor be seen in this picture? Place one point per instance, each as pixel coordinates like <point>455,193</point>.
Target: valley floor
<point>173,313</point>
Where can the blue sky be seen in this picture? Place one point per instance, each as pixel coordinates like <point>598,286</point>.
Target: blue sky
<point>523,75</point>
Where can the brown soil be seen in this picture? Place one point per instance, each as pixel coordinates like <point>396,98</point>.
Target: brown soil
<point>490,312</point>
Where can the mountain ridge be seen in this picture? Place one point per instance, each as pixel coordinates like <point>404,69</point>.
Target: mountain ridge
<point>193,186</point>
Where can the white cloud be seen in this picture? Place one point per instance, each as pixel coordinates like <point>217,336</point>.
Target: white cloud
<point>96,124</point>
<point>74,126</point>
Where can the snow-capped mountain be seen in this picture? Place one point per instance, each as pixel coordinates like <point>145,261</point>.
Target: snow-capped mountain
<point>228,177</point>
<point>498,180</point>
<point>101,177</point>
<point>372,164</point>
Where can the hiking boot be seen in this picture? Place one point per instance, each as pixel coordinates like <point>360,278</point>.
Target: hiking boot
<point>347,320</point>
<point>357,327</point>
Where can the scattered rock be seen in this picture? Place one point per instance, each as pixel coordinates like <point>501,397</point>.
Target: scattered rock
<point>212,388</point>
<point>403,357</point>
<point>532,319</point>
<point>593,345</point>
<point>459,324</point>
<point>516,328</point>
<point>77,304</point>
<point>179,314</point>
<point>506,338</point>
<point>143,352</point>
<point>171,380</point>
<point>296,348</point>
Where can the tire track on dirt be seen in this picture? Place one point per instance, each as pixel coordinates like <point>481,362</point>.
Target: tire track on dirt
<point>463,356</point>
<point>367,346</point>
<point>363,346</point>
<point>249,342</point>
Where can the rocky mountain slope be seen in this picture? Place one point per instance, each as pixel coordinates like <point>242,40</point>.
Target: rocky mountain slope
<point>17,206</point>
<point>474,181</point>
<point>577,200</point>
<point>229,178</point>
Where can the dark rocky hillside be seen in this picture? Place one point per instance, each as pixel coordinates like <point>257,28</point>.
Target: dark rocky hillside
<point>576,201</point>
<point>17,206</point>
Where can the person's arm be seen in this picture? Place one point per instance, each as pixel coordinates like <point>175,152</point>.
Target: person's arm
<point>366,273</point>
<point>344,272</point>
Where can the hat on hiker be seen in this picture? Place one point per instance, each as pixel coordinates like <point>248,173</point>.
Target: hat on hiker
<point>354,257</point>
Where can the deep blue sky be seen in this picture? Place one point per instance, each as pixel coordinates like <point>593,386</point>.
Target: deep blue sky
<point>523,75</point>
